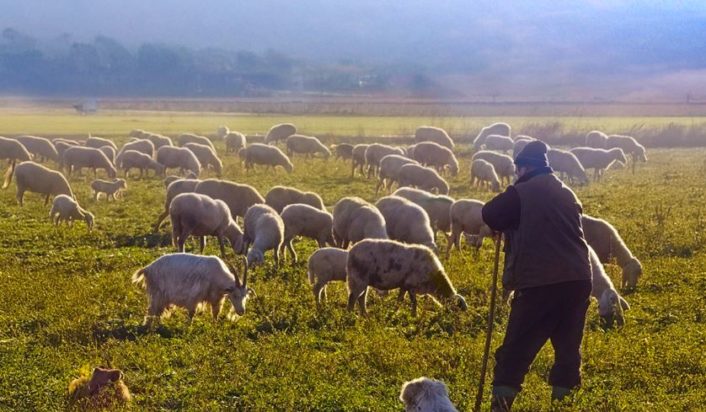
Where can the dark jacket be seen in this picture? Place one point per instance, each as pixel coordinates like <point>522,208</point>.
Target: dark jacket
<point>544,242</point>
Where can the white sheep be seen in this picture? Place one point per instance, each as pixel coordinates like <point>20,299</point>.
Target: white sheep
<point>141,145</point>
<point>132,159</point>
<point>504,165</point>
<point>436,156</point>
<point>596,139</point>
<point>426,395</point>
<point>610,303</point>
<point>138,133</point>
<point>239,197</point>
<point>185,138</point>
<point>172,178</point>
<point>499,142</point>
<point>433,134</point>
<point>280,132</point>
<point>598,159</point>
<point>280,196</point>
<point>566,163</point>
<point>36,178</point>
<point>207,156</point>
<point>502,129</point>
<point>158,140</point>
<point>608,244</point>
<point>423,178</point>
<point>110,188</point>
<point>406,221</point>
<point>482,173</point>
<point>354,219</point>
<point>326,265</point>
<point>98,142</point>
<point>40,147</point>
<point>630,146</point>
<point>193,214</point>
<point>109,152</point>
<point>307,145</point>
<point>375,152</point>
<point>13,150</point>
<point>269,156</point>
<point>77,157</point>
<point>66,208</point>
<point>173,190</point>
<point>264,230</point>
<point>466,218</point>
<point>388,264</point>
<point>235,141</point>
<point>222,132</point>
<point>520,144</point>
<point>389,170</point>
<point>186,280</point>
<point>304,220</point>
<point>358,158</point>
<point>342,151</point>
<point>438,207</point>
<point>181,158</point>
<point>61,145</point>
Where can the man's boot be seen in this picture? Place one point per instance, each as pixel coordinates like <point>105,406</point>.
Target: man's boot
<point>503,397</point>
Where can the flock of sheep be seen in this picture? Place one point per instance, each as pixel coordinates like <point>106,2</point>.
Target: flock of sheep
<point>389,244</point>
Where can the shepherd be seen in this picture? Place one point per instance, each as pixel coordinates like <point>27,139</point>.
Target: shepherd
<point>547,267</point>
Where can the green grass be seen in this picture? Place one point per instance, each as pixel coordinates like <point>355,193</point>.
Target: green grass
<point>68,304</point>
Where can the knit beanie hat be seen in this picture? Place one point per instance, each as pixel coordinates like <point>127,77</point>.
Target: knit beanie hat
<point>534,154</point>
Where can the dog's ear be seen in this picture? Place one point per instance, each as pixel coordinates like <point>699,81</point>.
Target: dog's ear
<point>409,392</point>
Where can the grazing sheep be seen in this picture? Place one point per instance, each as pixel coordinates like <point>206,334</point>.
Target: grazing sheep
<point>596,139</point>
<point>130,159</point>
<point>264,230</point>
<point>608,244</point>
<point>426,395</point>
<point>423,178</point>
<point>375,152</point>
<point>61,145</point>
<point>436,156</point>
<point>36,178</point>
<point>388,264</point>
<point>409,150</point>
<point>109,152</point>
<point>630,146</point>
<point>326,265</point>
<point>498,142</point>
<point>185,138</point>
<point>433,134</point>
<point>172,178</point>
<point>354,219</point>
<point>482,173</point>
<point>358,158</point>
<point>388,173</point>
<point>141,145</point>
<point>610,303</point>
<point>269,156</point>
<point>235,141</point>
<point>280,196</point>
<point>566,163</point>
<point>13,150</point>
<point>78,157</point>
<point>280,132</point>
<point>238,197</point>
<point>41,148</point>
<point>304,220</point>
<point>207,156</point>
<point>66,208</point>
<point>98,142</point>
<point>199,215</point>
<point>173,190</point>
<point>466,217</point>
<point>158,140</point>
<point>111,189</point>
<point>342,151</point>
<point>502,129</point>
<point>222,132</point>
<point>598,159</point>
<point>520,144</point>
<point>307,145</point>
<point>187,280</point>
<point>504,165</point>
<point>178,157</point>
<point>438,207</point>
<point>138,133</point>
<point>406,221</point>
<point>103,390</point>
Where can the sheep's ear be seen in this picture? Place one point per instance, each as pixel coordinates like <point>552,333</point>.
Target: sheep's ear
<point>624,304</point>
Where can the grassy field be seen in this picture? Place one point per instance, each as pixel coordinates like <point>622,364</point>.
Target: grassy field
<point>68,304</point>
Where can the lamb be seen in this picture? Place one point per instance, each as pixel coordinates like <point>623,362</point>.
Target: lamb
<point>426,395</point>
<point>388,173</point>
<point>172,178</point>
<point>222,132</point>
<point>608,244</point>
<point>270,156</point>
<point>187,280</point>
<point>520,144</point>
<point>178,157</point>
<point>98,142</point>
<point>598,159</point>
<point>206,156</point>
<point>342,151</point>
<point>498,142</point>
<point>375,152</point>
<point>264,230</point>
<point>482,173</point>
<point>304,220</point>
<point>466,217</point>
<point>173,190</point>
<point>235,141</point>
<point>130,159</point>
<point>36,178</point>
<point>238,197</point>
<point>185,138</point>
<point>280,196</point>
<point>111,189</point>
<point>141,145</point>
<point>388,264</point>
<point>308,145</point>
<point>78,157</point>
<point>596,139</point>
<point>610,303</point>
<point>13,150</point>
<point>504,165</point>
<point>423,178</point>
<point>436,156</point>
<point>108,152</point>
<point>158,140</point>
<point>280,132</point>
<point>354,219</point>
<point>325,265</point>
<point>406,222</point>
<point>199,215</point>
<point>502,129</point>
<point>565,162</point>
<point>630,146</point>
<point>66,208</point>
<point>438,207</point>
<point>358,158</point>
<point>105,388</point>
<point>433,134</point>
<point>40,147</point>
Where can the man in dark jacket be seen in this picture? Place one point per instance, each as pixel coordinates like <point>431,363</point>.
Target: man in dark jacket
<point>547,267</point>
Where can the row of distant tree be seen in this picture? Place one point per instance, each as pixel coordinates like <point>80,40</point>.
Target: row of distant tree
<point>105,67</point>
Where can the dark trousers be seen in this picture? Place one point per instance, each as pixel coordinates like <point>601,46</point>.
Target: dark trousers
<point>554,312</point>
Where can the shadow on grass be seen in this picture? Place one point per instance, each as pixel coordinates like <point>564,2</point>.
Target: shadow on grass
<point>150,240</point>
<point>120,331</point>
